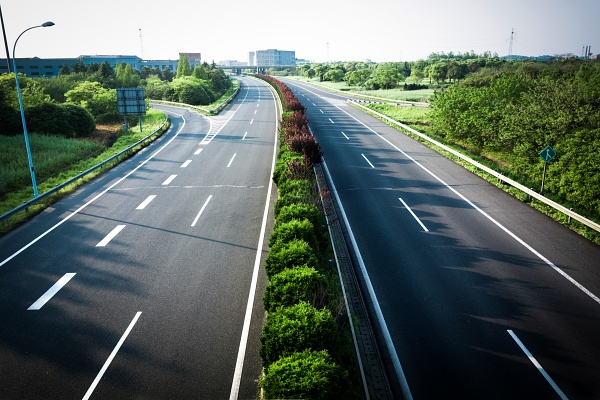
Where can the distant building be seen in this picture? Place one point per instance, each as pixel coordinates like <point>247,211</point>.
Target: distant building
<point>251,58</point>
<point>274,57</point>
<point>37,67</point>
<point>232,63</point>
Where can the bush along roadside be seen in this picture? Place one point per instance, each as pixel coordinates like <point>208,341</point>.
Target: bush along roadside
<point>306,346</point>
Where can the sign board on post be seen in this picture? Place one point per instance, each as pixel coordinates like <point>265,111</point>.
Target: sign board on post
<point>547,154</point>
<point>131,101</point>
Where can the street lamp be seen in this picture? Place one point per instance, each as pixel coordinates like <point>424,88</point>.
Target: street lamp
<point>44,25</point>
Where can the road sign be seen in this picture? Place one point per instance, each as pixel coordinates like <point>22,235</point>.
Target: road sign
<point>548,154</point>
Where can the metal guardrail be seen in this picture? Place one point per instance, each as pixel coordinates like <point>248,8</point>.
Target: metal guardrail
<point>79,176</point>
<point>95,167</point>
<point>591,224</point>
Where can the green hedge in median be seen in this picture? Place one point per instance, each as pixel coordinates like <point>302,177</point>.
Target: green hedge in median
<point>294,253</point>
<point>305,375</point>
<point>296,328</point>
<point>291,286</point>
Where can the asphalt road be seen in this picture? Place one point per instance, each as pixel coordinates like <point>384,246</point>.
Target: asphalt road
<point>481,297</point>
<point>154,266</point>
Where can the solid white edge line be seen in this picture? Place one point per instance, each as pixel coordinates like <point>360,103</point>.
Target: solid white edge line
<point>385,331</point>
<point>413,214</point>
<point>367,160</point>
<point>68,217</point>
<point>111,356</point>
<point>237,375</point>
<point>51,292</point>
<point>201,210</point>
<point>537,365</point>
<point>230,161</point>
<point>145,203</point>
<point>498,224</point>
<point>110,236</point>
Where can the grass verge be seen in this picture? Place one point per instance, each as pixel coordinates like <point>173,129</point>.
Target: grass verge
<point>65,167</point>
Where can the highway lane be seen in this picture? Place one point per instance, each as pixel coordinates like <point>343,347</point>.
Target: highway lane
<point>160,272</point>
<point>469,280</point>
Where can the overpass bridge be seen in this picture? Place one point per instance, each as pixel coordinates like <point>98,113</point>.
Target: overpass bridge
<point>237,69</point>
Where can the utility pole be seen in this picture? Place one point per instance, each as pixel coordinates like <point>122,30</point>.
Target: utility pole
<point>5,42</point>
<point>141,43</point>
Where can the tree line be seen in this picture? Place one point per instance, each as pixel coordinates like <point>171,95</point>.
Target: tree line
<point>71,103</point>
<point>515,110</point>
<point>438,67</point>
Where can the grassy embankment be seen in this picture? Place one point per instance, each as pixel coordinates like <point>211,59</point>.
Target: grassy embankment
<point>57,159</point>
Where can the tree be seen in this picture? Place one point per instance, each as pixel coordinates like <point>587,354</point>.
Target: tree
<point>334,75</point>
<point>167,74</point>
<point>126,77</point>
<point>438,71</point>
<point>386,78</point>
<point>64,70</point>
<point>183,67</point>
<point>200,72</point>
<point>78,67</point>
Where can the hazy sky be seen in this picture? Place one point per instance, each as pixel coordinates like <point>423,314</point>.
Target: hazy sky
<point>317,30</point>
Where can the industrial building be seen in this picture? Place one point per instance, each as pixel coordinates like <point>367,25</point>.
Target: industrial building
<point>38,67</point>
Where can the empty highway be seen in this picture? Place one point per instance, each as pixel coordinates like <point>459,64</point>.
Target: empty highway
<point>479,296</point>
<point>145,283</point>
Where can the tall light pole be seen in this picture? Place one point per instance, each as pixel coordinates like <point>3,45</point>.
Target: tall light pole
<point>44,25</point>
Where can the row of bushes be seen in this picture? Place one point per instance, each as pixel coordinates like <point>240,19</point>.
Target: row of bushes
<point>304,343</point>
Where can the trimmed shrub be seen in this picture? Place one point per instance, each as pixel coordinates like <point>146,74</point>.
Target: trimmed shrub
<point>300,186</point>
<point>291,198</point>
<point>301,211</point>
<point>305,375</point>
<point>295,253</point>
<point>284,157</point>
<point>295,229</point>
<point>296,328</point>
<point>291,286</point>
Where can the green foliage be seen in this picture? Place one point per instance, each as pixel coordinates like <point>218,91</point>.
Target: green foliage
<point>301,211</point>
<point>305,375</point>
<point>518,110</point>
<point>51,155</point>
<point>294,229</point>
<point>294,253</point>
<point>190,90</point>
<point>294,285</point>
<point>126,77</point>
<point>294,329</point>
<point>283,160</point>
<point>66,120</point>
<point>183,67</point>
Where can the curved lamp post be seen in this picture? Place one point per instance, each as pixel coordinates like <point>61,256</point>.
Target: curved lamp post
<point>44,25</point>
